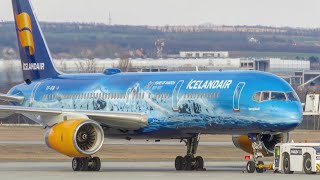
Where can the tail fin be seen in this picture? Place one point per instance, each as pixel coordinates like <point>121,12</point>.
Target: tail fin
<point>35,56</point>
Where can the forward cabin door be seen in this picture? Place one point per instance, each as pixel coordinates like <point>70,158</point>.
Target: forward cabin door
<point>237,96</point>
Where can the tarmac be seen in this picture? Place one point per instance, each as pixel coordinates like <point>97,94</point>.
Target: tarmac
<point>136,171</point>
<point>133,142</point>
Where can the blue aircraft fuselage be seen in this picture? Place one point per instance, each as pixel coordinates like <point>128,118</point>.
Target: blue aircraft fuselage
<point>177,104</point>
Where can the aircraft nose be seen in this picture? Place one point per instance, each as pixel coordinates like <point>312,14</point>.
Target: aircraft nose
<point>295,113</point>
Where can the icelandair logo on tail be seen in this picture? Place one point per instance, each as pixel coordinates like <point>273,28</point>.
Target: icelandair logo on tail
<point>209,84</point>
<point>33,66</point>
<point>24,27</point>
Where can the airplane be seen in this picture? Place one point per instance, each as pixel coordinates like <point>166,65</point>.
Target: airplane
<point>79,110</point>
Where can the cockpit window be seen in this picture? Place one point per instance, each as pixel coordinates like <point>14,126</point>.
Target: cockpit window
<point>275,96</point>
<point>265,96</point>
<point>278,96</point>
<point>256,96</point>
<point>292,96</point>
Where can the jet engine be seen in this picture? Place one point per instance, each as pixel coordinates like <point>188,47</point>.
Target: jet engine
<point>269,142</point>
<point>75,138</point>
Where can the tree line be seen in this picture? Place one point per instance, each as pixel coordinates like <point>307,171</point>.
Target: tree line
<point>87,40</point>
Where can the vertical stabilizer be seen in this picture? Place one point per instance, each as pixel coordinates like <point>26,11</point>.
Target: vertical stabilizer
<point>35,56</point>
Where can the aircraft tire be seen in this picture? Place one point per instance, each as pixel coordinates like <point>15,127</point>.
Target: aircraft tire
<point>251,167</point>
<point>179,161</point>
<point>258,170</point>
<point>96,164</point>
<point>75,164</point>
<point>188,163</point>
<point>199,162</point>
<point>83,166</point>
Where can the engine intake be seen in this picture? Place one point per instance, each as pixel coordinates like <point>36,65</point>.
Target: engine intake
<point>75,138</point>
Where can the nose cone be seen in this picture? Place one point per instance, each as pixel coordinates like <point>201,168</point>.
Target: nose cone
<point>294,113</point>
<point>288,115</point>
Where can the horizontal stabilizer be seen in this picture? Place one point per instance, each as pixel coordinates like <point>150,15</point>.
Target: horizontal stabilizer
<point>5,97</point>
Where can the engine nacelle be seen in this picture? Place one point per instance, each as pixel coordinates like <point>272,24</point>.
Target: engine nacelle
<point>269,142</point>
<point>75,138</point>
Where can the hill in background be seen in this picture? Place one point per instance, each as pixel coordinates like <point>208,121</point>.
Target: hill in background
<point>79,40</point>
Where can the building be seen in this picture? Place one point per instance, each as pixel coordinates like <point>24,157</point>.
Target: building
<point>10,69</point>
<point>204,54</point>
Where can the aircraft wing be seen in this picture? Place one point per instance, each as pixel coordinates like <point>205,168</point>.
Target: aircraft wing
<point>49,117</point>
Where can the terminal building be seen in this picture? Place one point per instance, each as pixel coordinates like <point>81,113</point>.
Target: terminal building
<point>204,54</point>
<point>273,65</point>
<point>294,71</point>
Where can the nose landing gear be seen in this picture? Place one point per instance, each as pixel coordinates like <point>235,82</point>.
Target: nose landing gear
<point>189,162</point>
<point>86,164</point>
<point>255,165</point>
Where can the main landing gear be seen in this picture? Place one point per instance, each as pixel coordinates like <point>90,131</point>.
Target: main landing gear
<point>86,164</point>
<point>189,162</point>
<point>256,165</point>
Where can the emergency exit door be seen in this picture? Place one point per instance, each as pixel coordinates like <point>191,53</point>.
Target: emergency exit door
<point>175,96</point>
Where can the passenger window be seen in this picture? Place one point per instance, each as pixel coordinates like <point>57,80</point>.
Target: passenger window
<point>278,96</point>
<point>265,96</point>
<point>256,96</point>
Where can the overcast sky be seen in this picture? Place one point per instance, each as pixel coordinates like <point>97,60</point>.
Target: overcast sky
<point>296,13</point>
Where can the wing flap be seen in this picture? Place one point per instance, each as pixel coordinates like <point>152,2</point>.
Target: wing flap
<point>125,120</point>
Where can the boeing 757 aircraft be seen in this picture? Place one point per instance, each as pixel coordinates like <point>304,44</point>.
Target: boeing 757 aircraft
<point>80,110</point>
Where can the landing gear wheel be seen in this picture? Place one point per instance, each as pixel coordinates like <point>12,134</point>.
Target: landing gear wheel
<point>199,163</point>
<point>258,169</point>
<point>75,164</point>
<point>83,165</point>
<point>307,164</point>
<point>188,160</point>
<point>251,166</point>
<point>286,164</point>
<point>95,164</point>
<point>179,163</point>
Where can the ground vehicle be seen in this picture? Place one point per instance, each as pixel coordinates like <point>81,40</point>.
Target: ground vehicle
<point>290,157</point>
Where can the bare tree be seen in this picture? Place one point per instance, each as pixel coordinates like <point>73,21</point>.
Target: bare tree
<point>63,66</point>
<point>11,72</point>
<point>124,63</point>
<point>88,66</point>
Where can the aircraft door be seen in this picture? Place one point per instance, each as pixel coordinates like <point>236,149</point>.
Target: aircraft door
<point>237,96</point>
<point>175,96</point>
<point>33,93</point>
